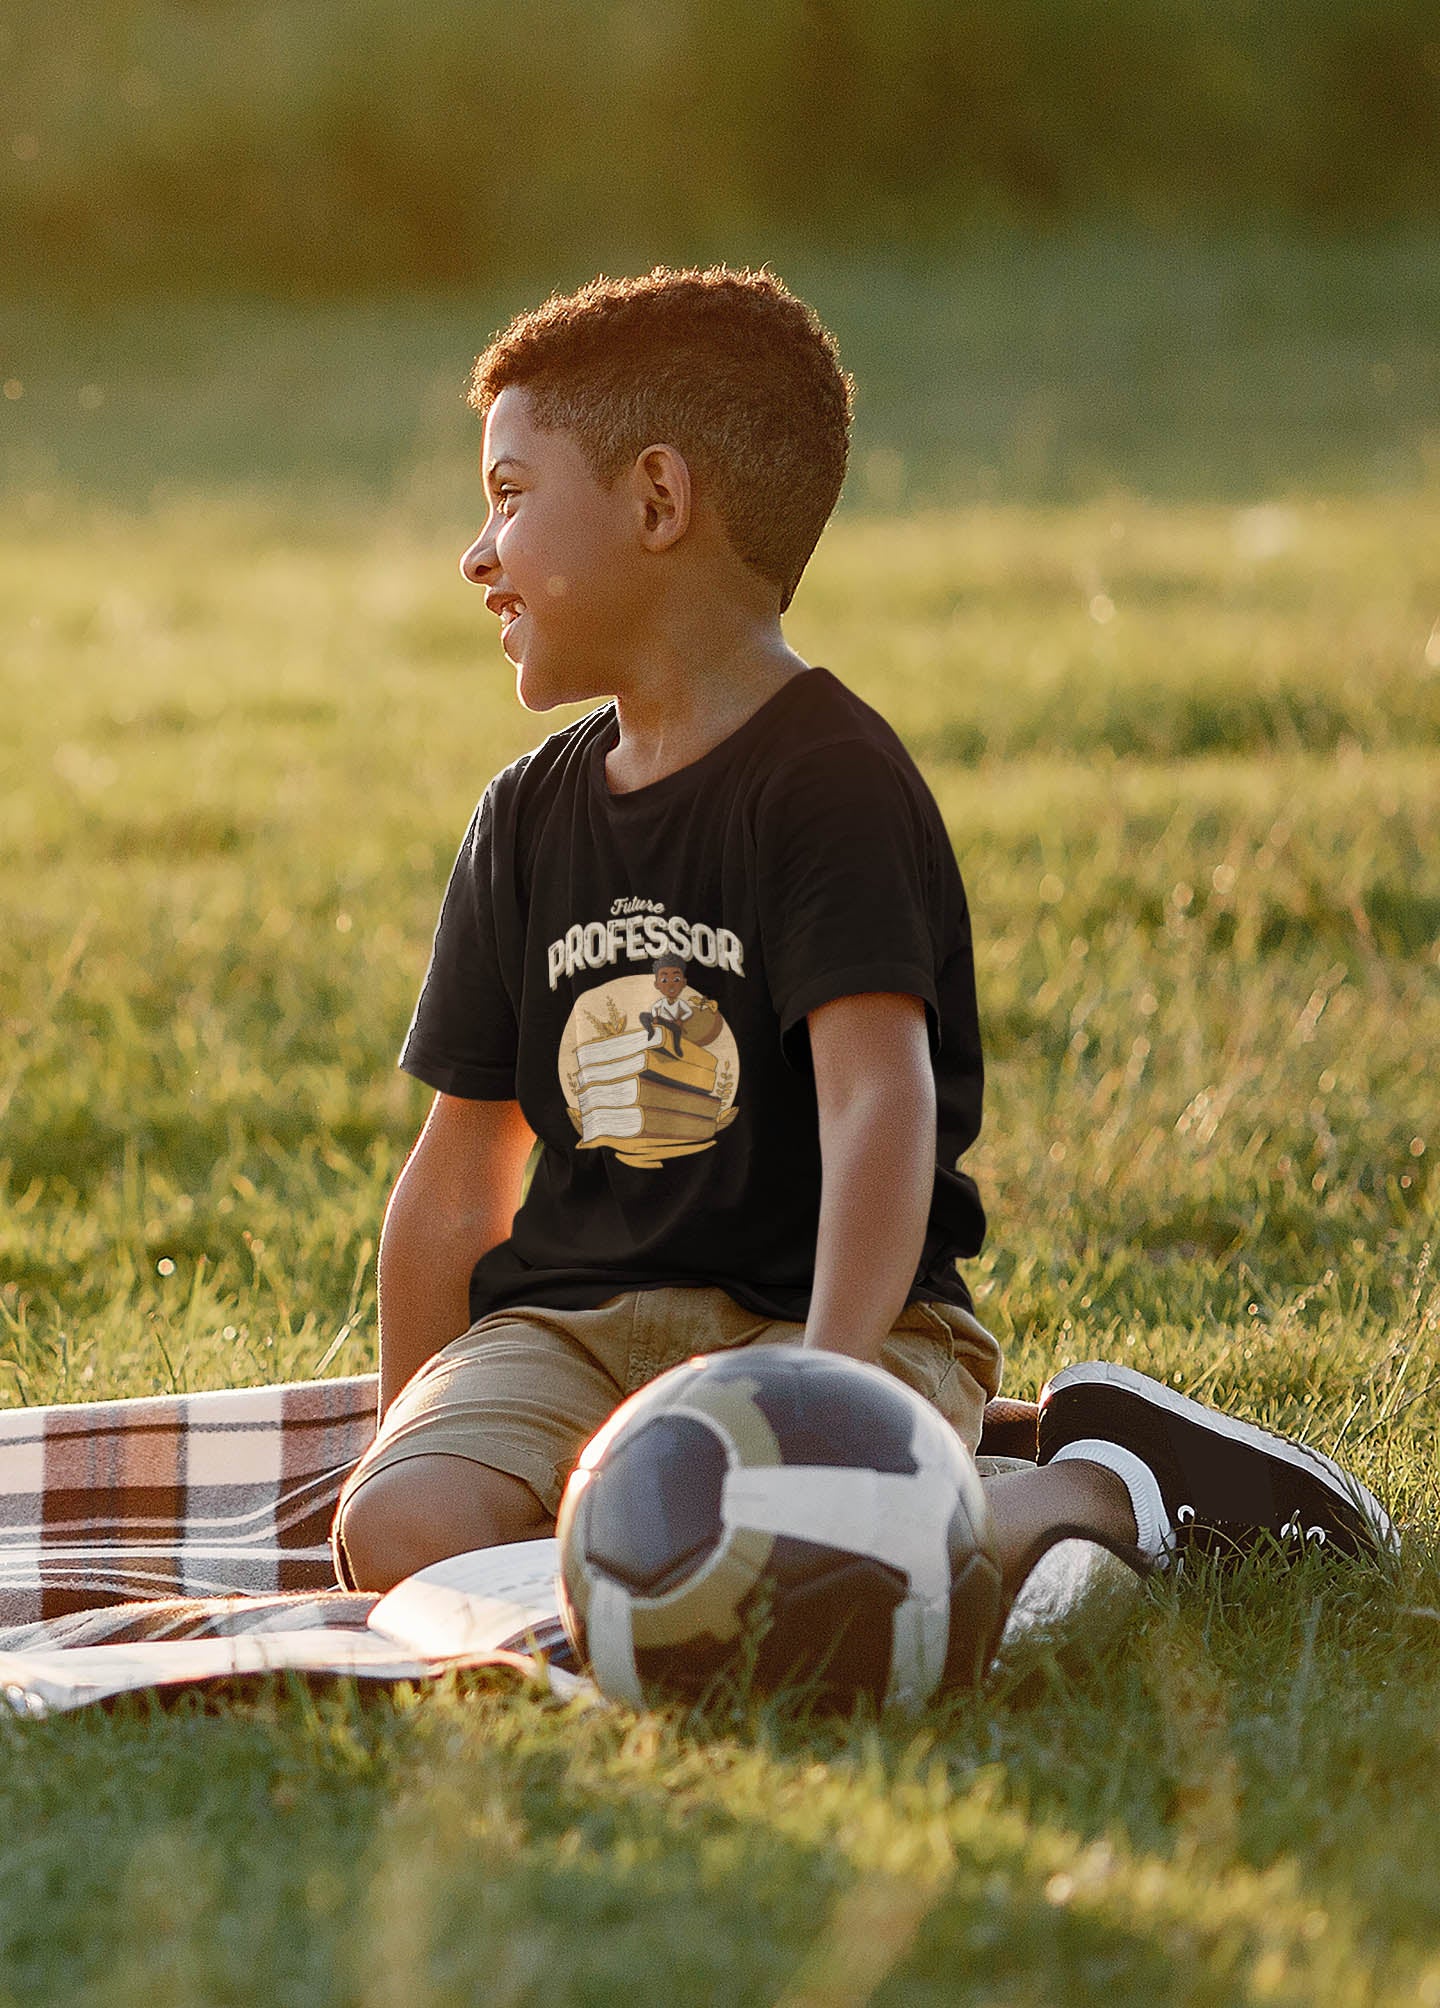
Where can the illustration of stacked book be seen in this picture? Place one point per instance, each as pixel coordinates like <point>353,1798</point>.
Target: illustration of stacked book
<point>640,1098</point>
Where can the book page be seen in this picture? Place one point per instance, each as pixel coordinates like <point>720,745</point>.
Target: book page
<point>481,1602</point>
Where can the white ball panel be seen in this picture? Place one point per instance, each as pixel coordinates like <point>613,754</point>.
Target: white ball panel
<point>610,1641</point>
<point>896,1518</point>
<point>919,1642</point>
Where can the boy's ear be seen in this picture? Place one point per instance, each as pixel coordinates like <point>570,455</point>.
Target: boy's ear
<point>662,485</point>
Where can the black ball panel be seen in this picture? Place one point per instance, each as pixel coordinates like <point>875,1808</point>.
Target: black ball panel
<point>831,1622</point>
<point>821,1618</point>
<point>682,1672</point>
<point>977,1616</point>
<point>822,1411</point>
<point>653,1512</point>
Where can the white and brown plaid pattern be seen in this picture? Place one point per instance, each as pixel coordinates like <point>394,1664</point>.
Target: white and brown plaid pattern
<point>199,1495</point>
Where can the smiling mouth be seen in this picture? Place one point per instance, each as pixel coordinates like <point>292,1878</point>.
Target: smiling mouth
<point>508,609</point>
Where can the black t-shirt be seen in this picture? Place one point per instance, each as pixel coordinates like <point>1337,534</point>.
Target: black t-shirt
<point>636,969</point>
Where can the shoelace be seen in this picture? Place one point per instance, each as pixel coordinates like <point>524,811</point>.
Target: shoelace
<point>1291,1531</point>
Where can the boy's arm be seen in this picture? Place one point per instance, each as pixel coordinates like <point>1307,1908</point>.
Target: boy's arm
<point>454,1200</point>
<point>875,1086</point>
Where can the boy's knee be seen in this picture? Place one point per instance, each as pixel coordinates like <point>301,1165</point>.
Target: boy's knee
<point>406,1516</point>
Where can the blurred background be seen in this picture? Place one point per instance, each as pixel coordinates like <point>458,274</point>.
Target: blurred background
<point>1187,247</point>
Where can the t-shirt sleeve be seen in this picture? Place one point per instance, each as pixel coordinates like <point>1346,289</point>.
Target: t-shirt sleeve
<point>463,1038</point>
<point>844,866</point>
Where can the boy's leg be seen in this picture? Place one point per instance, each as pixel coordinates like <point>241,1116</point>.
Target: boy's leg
<point>429,1507</point>
<point>1026,1508</point>
<point>475,1450</point>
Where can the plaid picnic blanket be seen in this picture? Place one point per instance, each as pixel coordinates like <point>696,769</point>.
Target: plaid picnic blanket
<point>203,1515</point>
<point>174,1496</point>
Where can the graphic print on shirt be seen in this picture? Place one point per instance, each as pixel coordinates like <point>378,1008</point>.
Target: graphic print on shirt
<point>649,1067</point>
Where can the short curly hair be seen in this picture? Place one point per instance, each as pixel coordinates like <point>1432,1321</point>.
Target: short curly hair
<point>725,365</point>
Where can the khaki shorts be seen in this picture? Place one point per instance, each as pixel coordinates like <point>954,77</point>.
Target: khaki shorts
<point>525,1389</point>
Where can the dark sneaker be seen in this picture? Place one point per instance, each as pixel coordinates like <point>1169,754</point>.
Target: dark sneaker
<point>1225,1483</point>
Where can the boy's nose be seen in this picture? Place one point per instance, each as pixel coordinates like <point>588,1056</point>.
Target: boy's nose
<point>479,561</point>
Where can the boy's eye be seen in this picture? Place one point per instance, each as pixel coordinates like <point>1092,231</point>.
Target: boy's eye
<point>504,496</point>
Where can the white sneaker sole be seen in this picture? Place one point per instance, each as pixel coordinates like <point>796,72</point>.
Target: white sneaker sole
<point>1299,1455</point>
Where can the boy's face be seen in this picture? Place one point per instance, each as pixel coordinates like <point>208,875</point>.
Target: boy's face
<point>558,559</point>
<point>670,982</point>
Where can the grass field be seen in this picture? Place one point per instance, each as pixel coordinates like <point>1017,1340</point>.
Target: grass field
<point>1189,753</point>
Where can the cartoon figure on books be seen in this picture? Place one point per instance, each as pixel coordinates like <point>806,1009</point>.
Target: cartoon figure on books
<point>660,457</point>
<point>672,1008</point>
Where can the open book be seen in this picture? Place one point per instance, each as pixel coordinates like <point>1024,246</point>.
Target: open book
<point>496,1607</point>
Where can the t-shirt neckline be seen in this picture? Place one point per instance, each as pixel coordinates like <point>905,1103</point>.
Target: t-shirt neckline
<point>684,778</point>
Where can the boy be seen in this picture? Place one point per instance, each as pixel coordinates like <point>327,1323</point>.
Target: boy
<point>660,457</point>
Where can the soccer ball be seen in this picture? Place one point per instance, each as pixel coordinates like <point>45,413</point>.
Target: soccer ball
<point>777,1515</point>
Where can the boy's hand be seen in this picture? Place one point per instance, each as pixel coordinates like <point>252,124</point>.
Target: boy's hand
<point>455,1199</point>
<point>875,1087</point>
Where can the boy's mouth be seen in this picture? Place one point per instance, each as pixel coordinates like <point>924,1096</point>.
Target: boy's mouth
<point>508,608</point>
